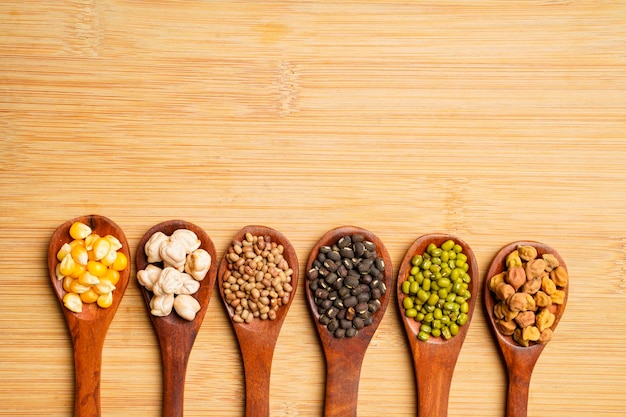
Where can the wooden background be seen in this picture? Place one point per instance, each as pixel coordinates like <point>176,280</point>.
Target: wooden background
<point>492,120</point>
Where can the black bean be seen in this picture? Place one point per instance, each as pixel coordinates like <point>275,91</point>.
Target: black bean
<point>345,324</point>
<point>350,301</point>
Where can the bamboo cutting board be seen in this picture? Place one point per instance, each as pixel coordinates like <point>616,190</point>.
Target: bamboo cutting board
<point>495,121</point>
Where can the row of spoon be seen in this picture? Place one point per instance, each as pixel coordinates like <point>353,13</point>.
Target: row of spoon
<point>434,360</point>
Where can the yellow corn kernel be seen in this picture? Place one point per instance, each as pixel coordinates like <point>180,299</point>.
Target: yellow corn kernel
<point>110,258</point>
<point>90,240</point>
<point>112,276</point>
<point>121,262</point>
<point>101,248</point>
<point>77,242</point>
<point>89,297</point>
<point>105,300</point>
<point>115,242</point>
<point>104,287</point>
<point>78,288</point>
<point>96,268</point>
<point>64,250</point>
<point>79,230</point>
<point>67,284</point>
<point>72,302</point>
<point>79,253</point>
<point>67,265</point>
<point>57,272</point>
<point>88,279</point>
<point>78,270</point>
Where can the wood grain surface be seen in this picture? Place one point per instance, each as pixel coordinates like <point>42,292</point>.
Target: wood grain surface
<point>495,121</point>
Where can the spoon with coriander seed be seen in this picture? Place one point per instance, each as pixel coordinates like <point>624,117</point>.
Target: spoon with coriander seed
<point>257,279</point>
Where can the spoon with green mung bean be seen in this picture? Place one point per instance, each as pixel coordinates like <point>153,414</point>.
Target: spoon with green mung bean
<point>437,290</point>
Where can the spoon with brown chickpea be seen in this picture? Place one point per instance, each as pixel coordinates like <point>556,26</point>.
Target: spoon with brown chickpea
<point>87,325</point>
<point>349,272</point>
<point>545,279</point>
<point>257,279</point>
<point>437,291</point>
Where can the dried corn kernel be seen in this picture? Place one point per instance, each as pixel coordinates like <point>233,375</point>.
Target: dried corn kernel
<point>104,287</point>
<point>78,288</point>
<point>67,284</point>
<point>57,272</point>
<point>73,302</point>
<point>89,240</point>
<point>96,268</point>
<point>101,248</point>
<point>109,259</point>
<point>121,262</point>
<point>111,275</point>
<point>79,230</point>
<point>79,254</point>
<point>65,249</point>
<point>115,242</point>
<point>88,279</point>
<point>67,265</point>
<point>105,300</point>
<point>76,242</point>
<point>89,297</point>
<point>78,270</point>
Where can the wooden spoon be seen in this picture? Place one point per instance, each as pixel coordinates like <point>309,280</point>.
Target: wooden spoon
<point>344,357</point>
<point>520,360</point>
<point>177,335</point>
<point>435,359</point>
<point>88,329</point>
<point>257,339</point>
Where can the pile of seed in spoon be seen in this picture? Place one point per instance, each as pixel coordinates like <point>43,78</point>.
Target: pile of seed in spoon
<point>346,280</point>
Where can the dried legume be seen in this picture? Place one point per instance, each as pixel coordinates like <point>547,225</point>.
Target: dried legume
<point>347,283</point>
<point>257,281</point>
<point>526,312</point>
<point>436,293</point>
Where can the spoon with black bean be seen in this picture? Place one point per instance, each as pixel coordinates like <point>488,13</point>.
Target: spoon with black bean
<point>349,272</point>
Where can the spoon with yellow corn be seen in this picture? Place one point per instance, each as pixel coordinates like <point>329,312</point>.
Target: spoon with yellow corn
<point>89,271</point>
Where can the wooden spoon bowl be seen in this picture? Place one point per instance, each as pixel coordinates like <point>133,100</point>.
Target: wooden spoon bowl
<point>520,360</point>
<point>344,357</point>
<point>257,339</point>
<point>177,335</point>
<point>88,328</point>
<point>435,359</point>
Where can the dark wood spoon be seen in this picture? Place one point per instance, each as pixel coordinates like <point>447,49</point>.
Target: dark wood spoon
<point>435,359</point>
<point>344,357</point>
<point>88,328</point>
<point>520,360</point>
<point>177,335</point>
<point>257,339</point>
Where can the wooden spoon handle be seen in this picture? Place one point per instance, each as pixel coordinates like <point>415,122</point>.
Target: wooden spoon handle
<point>257,363</point>
<point>342,384</point>
<point>88,345</point>
<point>433,391</point>
<point>174,360</point>
<point>520,369</point>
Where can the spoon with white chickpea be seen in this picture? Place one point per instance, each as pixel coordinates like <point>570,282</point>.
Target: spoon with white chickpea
<point>88,267</point>
<point>176,272</point>
<point>523,315</point>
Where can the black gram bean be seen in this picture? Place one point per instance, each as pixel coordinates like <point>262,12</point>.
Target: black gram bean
<point>350,301</point>
<point>313,273</point>
<point>321,293</point>
<point>333,325</point>
<point>345,324</point>
<point>321,257</point>
<point>343,292</point>
<point>332,312</point>
<point>357,238</point>
<point>342,271</point>
<point>346,253</point>
<point>325,249</point>
<point>361,308</point>
<point>348,263</point>
<point>330,265</point>
<point>359,249</point>
<point>351,332</point>
<point>326,304</point>
<point>344,241</point>
<point>358,323</point>
<point>331,278</point>
<point>324,319</point>
<point>338,284</point>
<point>364,297</point>
<point>380,263</point>
<point>340,333</point>
<point>351,281</point>
<point>334,256</point>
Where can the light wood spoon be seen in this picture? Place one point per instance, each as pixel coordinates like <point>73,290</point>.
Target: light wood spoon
<point>177,335</point>
<point>435,359</point>
<point>344,357</point>
<point>520,360</point>
<point>257,339</point>
<point>88,329</point>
